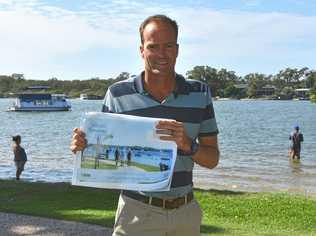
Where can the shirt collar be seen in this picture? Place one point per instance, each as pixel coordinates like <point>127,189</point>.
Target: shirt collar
<point>182,87</point>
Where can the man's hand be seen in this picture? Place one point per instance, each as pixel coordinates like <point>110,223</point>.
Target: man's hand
<point>174,131</point>
<point>208,153</point>
<point>78,142</point>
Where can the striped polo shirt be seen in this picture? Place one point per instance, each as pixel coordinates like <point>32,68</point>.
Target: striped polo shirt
<point>190,103</point>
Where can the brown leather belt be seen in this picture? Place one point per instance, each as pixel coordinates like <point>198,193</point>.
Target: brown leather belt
<point>159,202</point>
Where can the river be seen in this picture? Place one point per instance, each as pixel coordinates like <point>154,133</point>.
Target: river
<point>253,141</point>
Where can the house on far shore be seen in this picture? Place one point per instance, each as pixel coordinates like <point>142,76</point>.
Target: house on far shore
<point>302,93</point>
<point>267,90</point>
<point>241,87</point>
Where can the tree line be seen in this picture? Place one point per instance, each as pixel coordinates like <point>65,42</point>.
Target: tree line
<point>223,83</point>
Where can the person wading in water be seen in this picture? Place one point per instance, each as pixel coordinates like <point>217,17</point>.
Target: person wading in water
<point>296,138</point>
<point>20,157</point>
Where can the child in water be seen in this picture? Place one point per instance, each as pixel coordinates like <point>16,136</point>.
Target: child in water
<point>20,157</point>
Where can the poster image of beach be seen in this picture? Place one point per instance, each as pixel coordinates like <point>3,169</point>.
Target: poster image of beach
<point>98,156</point>
<point>124,152</point>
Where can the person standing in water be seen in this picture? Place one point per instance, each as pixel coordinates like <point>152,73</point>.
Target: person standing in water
<point>296,138</point>
<point>20,157</point>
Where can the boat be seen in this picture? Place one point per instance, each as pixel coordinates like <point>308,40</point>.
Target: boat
<point>40,102</point>
<point>84,96</point>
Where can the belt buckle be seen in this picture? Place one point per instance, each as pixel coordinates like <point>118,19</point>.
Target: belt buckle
<point>170,201</point>
<point>175,203</point>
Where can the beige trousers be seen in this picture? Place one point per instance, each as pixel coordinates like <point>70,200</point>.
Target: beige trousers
<point>134,218</point>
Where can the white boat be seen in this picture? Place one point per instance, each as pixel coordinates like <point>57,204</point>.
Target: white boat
<point>84,96</point>
<point>40,102</point>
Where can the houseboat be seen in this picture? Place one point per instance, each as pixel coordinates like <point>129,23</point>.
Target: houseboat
<point>40,102</point>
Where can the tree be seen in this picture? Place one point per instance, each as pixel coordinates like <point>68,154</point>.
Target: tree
<point>255,81</point>
<point>291,76</point>
<point>310,76</point>
<point>122,76</point>
<point>206,74</point>
<point>287,93</point>
<point>6,83</point>
<point>312,83</point>
<point>231,91</point>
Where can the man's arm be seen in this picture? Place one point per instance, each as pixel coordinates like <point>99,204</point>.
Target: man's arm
<point>208,152</point>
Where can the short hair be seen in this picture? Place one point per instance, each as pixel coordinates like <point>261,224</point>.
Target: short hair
<point>16,138</point>
<point>162,18</point>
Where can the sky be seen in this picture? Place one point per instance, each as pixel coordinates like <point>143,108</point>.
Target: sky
<point>79,39</point>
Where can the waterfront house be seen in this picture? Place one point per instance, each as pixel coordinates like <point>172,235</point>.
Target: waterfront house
<point>267,90</point>
<point>302,93</point>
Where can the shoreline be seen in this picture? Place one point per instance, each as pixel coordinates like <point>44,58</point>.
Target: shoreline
<point>200,187</point>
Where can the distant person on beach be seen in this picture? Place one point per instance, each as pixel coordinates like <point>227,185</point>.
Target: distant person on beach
<point>107,154</point>
<point>117,156</point>
<point>160,92</point>
<point>296,138</point>
<point>129,157</point>
<point>20,157</point>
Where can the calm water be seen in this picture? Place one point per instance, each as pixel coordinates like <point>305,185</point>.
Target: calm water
<point>253,142</point>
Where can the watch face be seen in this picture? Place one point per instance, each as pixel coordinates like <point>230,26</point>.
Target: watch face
<point>194,147</point>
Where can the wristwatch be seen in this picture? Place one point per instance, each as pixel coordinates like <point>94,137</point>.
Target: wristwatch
<point>194,148</point>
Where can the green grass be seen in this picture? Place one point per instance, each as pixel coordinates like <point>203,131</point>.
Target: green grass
<point>148,168</point>
<point>224,212</point>
<point>89,164</point>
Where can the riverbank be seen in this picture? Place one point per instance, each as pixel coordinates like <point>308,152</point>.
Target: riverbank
<point>224,212</point>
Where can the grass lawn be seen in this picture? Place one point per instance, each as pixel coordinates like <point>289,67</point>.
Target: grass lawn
<point>224,212</point>
<point>148,168</point>
<point>89,164</point>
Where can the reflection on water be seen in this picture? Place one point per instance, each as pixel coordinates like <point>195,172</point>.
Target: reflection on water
<point>296,167</point>
<point>253,141</point>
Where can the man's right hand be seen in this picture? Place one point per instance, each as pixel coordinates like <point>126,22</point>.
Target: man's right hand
<point>78,142</point>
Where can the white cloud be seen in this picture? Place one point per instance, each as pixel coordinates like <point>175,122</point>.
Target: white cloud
<point>33,34</point>
<point>227,37</point>
<point>252,3</point>
<point>31,37</point>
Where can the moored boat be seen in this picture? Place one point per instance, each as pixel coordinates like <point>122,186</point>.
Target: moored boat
<point>85,96</point>
<point>40,102</point>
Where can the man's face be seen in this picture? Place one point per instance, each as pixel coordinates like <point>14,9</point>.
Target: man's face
<point>159,49</point>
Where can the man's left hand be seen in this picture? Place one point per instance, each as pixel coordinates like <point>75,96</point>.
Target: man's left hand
<point>174,131</point>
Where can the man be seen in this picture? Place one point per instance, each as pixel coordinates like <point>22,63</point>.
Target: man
<point>160,92</point>
<point>296,138</point>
